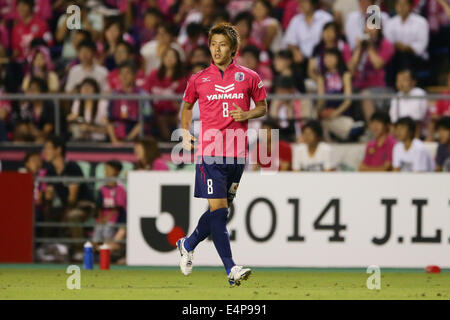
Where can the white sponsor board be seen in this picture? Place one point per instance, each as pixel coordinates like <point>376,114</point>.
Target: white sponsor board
<point>299,219</point>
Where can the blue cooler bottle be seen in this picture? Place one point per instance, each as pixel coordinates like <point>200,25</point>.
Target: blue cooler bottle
<point>88,256</point>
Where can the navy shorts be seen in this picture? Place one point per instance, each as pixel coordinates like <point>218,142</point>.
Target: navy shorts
<point>218,180</point>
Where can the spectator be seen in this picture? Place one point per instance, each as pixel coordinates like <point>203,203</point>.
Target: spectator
<point>5,116</point>
<point>169,79</point>
<point>204,13</point>
<point>414,108</point>
<point>152,51</point>
<point>313,154</point>
<point>409,32</point>
<point>114,33</point>
<point>196,37</point>
<point>266,30</point>
<point>445,6</point>
<point>356,22</point>
<point>410,154</point>
<point>250,58</point>
<point>286,111</point>
<point>305,29</point>
<point>443,152</point>
<point>441,109</point>
<point>378,156</point>
<point>335,114</point>
<point>41,66</point>
<point>27,28</point>
<point>88,117</point>
<point>264,149</point>
<point>123,53</point>
<point>123,115</point>
<point>148,155</point>
<point>11,72</point>
<point>330,39</point>
<point>33,165</point>
<point>244,22</point>
<point>342,9</point>
<point>152,20</point>
<point>200,55</point>
<point>283,65</point>
<point>87,68</point>
<point>65,202</point>
<point>35,120</point>
<point>111,205</point>
<point>367,65</point>
<point>91,28</point>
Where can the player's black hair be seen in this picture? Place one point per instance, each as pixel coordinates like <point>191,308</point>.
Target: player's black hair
<point>315,127</point>
<point>130,65</point>
<point>87,43</point>
<point>115,164</point>
<point>30,154</point>
<point>252,50</point>
<point>41,83</point>
<point>58,142</point>
<point>382,117</point>
<point>408,122</point>
<point>29,3</point>
<point>443,123</point>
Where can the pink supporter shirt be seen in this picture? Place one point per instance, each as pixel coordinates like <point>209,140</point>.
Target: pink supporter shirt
<point>376,156</point>
<point>216,94</point>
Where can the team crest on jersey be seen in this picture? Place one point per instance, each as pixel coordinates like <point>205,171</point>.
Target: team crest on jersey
<point>239,76</point>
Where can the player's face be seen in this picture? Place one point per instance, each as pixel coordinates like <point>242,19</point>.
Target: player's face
<point>220,49</point>
<point>444,135</point>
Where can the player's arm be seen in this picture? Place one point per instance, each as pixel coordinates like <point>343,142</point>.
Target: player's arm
<point>240,115</point>
<point>186,120</point>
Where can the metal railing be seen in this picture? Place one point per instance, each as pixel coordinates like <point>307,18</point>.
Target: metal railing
<point>57,98</point>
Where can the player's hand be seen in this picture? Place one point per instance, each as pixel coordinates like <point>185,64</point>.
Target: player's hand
<point>188,141</point>
<point>238,115</point>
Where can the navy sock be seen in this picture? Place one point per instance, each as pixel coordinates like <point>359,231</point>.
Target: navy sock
<point>200,233</point>
<point>221,239</point>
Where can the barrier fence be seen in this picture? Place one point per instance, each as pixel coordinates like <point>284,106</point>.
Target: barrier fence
<point>58,98</point>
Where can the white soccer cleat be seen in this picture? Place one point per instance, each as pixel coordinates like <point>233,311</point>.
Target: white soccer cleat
<point>186,258</point>
<point>237,274</point>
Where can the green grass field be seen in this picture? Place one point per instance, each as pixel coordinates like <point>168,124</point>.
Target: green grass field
<point>49,282</point>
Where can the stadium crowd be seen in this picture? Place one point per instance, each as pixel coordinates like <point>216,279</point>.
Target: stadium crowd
<point>153,46</point>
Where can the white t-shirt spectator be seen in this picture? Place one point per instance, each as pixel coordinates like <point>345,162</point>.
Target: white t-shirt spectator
<point>415,159</point>
<point>321,160</point>
<point>305,36</point>
<point>149,52</point>
<point>355,24</point>
<point>412,32</point>
<point>77,74</point>
<point>414,108</point>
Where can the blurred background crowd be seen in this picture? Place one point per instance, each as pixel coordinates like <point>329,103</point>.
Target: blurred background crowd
<point>152,47</point>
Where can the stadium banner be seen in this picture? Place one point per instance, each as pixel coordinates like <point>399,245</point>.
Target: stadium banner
<point>298,219</point>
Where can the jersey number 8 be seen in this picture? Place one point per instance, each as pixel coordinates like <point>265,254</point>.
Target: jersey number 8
<point>225,109</point>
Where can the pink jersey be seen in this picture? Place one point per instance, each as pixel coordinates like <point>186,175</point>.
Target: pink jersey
<point>216,94</point>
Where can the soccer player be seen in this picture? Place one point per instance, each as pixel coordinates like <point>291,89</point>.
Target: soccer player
<point>223,91</point>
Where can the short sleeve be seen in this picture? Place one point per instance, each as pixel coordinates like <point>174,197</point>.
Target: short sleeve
<point>191,94</point>
<point>258,92</point>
